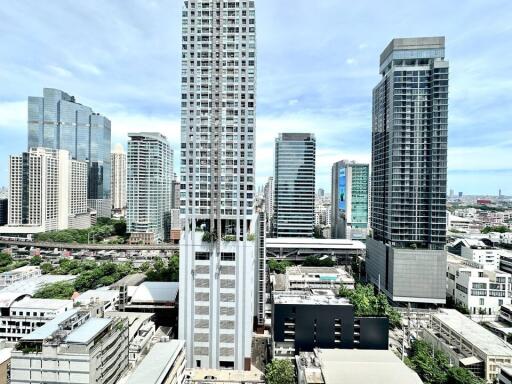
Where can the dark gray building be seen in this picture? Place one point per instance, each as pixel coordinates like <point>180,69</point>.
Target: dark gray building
<point>405,254</point>
<point>302,322</point>
<point>294,185</point>
<point>57,121</point>
<point>4,209</point>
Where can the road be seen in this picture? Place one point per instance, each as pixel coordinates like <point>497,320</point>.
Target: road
<point>96,247</point>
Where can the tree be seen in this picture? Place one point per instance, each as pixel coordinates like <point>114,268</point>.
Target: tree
<point>280,372</point>
<point>318,232</point>
<point>5,259</point>
<point>278,266</point>
<point>60,290</point>
<point>458,375</point>
<point>315,261</point>
<point>498,228</point>
<point>46,268</point>
<point>36,260</point>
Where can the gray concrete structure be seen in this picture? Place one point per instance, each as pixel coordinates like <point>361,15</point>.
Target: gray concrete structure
<point>406,256</point>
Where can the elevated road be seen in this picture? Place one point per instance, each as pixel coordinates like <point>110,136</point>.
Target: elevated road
<point>95,247</point>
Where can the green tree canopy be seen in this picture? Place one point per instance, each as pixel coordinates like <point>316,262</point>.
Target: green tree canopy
<point>60,290</point>
<point>280,372</point>
<point>278,266</point>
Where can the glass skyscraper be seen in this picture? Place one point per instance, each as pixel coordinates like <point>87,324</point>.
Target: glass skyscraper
<point>405,254</point>
<point>349,200</point>
<point>294,185</point>
<point>57,121</point>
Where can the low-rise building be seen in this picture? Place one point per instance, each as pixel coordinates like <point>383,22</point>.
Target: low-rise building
<point>21,314</point>
<point>158,297</point>
<point>5,363</point>
<point>164,364</point>
<point>107,298</point>
<point>72,348</point>
<point>31,285</point>
<point>333,366</point>
<point>505,376</point>
<point>480,290</point>
<point>141,330</point>
<point>19,274</point>
<point>223,376</point>
<point>300,278</point>
<point>468,344</point>
<point>476,250</point>
<point>303,321</point>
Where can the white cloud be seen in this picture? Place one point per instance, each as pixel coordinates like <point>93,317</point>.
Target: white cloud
<point>59,71</point>
<point>351,61</point>
<point>13,115</point>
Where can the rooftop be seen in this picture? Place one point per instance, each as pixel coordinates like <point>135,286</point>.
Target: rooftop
<point>24,269</point>
<point>362,366</point>
<point>50,327</point>
<point>226,375</point>
<point>135,319</point>
<point>46,304</point>
<point>412,43</point>
<point>306,242</point>
<point>101,294</point>
<point>157,363</point>
<point>86,332</point>
<point>32,285</point>
<point>308,298</point>
<point>133,279</point>
<point>474,333</point>
<point>155,291</point>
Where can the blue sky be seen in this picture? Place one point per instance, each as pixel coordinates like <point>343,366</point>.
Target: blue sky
<point>317,65</point>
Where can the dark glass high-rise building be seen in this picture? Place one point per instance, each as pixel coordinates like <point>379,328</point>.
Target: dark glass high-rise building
<point>405,254</point>
<point>57,121</point>
<point>294,185</point>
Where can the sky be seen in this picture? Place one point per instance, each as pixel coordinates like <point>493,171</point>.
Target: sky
<point>317,63</point>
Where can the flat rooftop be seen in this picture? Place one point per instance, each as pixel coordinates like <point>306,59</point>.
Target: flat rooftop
<point>226,375</point>
<point>44,304</point>
<point>135,320</point>
<point>86,332</point>
<point>133,279</point>
<point>50,327</point>
<point>33,284</point>
<point>364,366</point>
<point>306,242</point>
<point>101,294</point>
<point>330,271</point>
<point>24,269</point>
<point>157,363</point>
<point>474,333</point>
<point>308,298</point>
<point>155,291</point>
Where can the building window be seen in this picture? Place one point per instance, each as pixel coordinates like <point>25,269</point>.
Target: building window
<point>482,301</point>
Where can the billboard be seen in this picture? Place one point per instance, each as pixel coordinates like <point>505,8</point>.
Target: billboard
<point>341,189</point>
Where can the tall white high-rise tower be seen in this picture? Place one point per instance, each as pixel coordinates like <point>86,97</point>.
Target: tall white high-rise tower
<point>217,247</point>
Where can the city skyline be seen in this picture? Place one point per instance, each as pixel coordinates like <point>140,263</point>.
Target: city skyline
<point>326,92</point>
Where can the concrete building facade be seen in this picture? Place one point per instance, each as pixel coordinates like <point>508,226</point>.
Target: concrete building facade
<point>48,191</point>
<point>217,245</point>
<point>119,178</point>
<point>149,183</point>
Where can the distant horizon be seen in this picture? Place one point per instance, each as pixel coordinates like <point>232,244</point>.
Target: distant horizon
<point>317,78</point>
